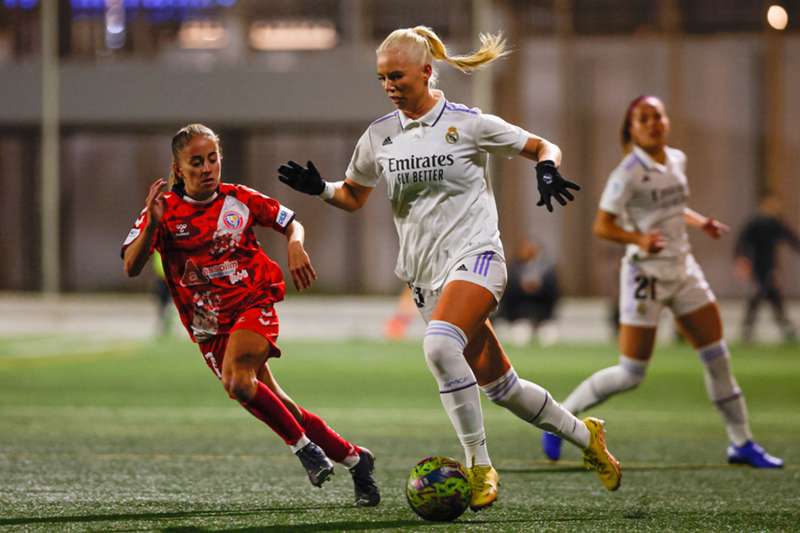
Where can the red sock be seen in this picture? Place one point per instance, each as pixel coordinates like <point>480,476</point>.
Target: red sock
<point>326,438</point>
<point>268,408</point>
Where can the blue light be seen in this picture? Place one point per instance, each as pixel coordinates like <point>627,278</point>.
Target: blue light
<point>226,3</point>
<point>28,4</point>
<point>10,3</point>
<point>88,4</point>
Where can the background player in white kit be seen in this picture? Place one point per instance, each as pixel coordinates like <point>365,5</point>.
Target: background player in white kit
<point>644,206</point>
<point>433,154</point>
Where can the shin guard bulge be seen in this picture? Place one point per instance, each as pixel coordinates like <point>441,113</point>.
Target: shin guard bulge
<point>444,353</point>
<point>268,408</point>
<point>724,391</point>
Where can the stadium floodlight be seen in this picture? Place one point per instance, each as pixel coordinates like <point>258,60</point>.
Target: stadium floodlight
<point>205,34</point>
<point>777,17</point>
<point>288,35</point>
<point>115,24</point>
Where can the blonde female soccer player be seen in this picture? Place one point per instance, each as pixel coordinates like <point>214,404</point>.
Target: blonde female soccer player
<point>432,153</point>
<point>225,288</point>
<point>644,206</point>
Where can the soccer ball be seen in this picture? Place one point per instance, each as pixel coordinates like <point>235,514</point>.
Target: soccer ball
<point>438,489</point>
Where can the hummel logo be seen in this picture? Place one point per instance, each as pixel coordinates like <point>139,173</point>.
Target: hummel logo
<point>646,178</point>
<point>387,140</point>
<point>462,267</point>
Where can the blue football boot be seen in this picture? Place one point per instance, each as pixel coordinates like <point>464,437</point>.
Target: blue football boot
<point>750,453</point>
<point>318,467</point>
<point>551,444</point>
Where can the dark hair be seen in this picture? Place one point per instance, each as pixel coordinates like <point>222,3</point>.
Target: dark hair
<point>179,142</point>
<point>625,133</point>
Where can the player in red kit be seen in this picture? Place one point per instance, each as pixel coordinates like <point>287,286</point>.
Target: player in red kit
<point>225,288</point>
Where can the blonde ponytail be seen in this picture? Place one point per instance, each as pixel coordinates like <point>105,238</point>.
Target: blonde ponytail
<point>492,47</point>
<point>423,46</point>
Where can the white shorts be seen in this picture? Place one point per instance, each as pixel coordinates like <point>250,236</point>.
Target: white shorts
<point>642,296</point>
<point>487,269</point>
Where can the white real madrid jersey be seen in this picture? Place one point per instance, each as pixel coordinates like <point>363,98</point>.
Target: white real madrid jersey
<point>647,196</point>
<point>435,169</point>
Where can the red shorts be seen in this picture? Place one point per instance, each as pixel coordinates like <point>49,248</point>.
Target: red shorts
<point>261,320</point>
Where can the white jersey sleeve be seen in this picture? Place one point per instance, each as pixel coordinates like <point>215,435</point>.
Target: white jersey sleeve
<point>363,167</point>
<point>617,192</point>
<point>498,137</point>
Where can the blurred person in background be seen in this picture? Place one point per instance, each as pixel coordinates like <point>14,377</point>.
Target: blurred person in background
<point>644,206</point>
<point>161,292</point>
<point>433,155</point>
<point>225,288</point>
<point>531,296</point>
<point>396,327</point>
<point>757,261</point>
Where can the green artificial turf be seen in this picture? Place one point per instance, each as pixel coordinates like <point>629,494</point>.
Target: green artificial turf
<point>141,436</point>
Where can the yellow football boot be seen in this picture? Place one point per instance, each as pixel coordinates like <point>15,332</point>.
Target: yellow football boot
<point>483,480</point>
<point>597,457</point>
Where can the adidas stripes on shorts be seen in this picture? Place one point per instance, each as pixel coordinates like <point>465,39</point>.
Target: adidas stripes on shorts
<point>486,268</point>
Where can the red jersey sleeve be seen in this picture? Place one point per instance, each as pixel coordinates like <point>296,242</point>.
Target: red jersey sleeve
<point>136,231</point>
<point>266,211</point>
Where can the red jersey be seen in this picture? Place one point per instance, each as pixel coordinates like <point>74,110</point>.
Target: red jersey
<point>213,263</point>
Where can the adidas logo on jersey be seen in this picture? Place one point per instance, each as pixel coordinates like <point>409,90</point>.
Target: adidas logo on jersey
<point>462,267</point>
<point>387,140</point>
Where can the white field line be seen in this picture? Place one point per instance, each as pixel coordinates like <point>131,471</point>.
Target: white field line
<point>788,415</point>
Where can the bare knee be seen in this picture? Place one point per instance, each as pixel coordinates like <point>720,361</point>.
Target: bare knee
<point>240,385</point>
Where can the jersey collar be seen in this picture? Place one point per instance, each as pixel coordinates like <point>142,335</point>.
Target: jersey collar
<point>648,162</point>
<point>428,119</point>
<point>207,201</point>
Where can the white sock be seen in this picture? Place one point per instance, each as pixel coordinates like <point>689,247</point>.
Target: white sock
<point>536,406</point>
<point>598,387</point>
<point>724,391</point>
<point>444,352</point>
<point>300,444</point>
<point>350,461</point>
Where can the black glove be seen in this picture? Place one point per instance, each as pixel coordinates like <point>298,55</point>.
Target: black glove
<point>552,185</point>
<point>301,179</point>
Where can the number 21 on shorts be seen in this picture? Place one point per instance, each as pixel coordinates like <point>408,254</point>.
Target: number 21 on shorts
<point>645,287</point>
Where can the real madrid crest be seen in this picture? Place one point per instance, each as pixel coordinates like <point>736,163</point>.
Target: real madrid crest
<point>641,308</point>
<point>452,135</point>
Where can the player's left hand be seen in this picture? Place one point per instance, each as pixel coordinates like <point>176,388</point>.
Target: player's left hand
<point>714,228</point>
<point>302,179</point>
<point>552,185</point>
<point>303,274</point>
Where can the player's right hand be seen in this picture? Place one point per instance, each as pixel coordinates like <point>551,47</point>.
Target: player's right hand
<point>302,179</point>
<point>652,242</point>
<point>155,202</point>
